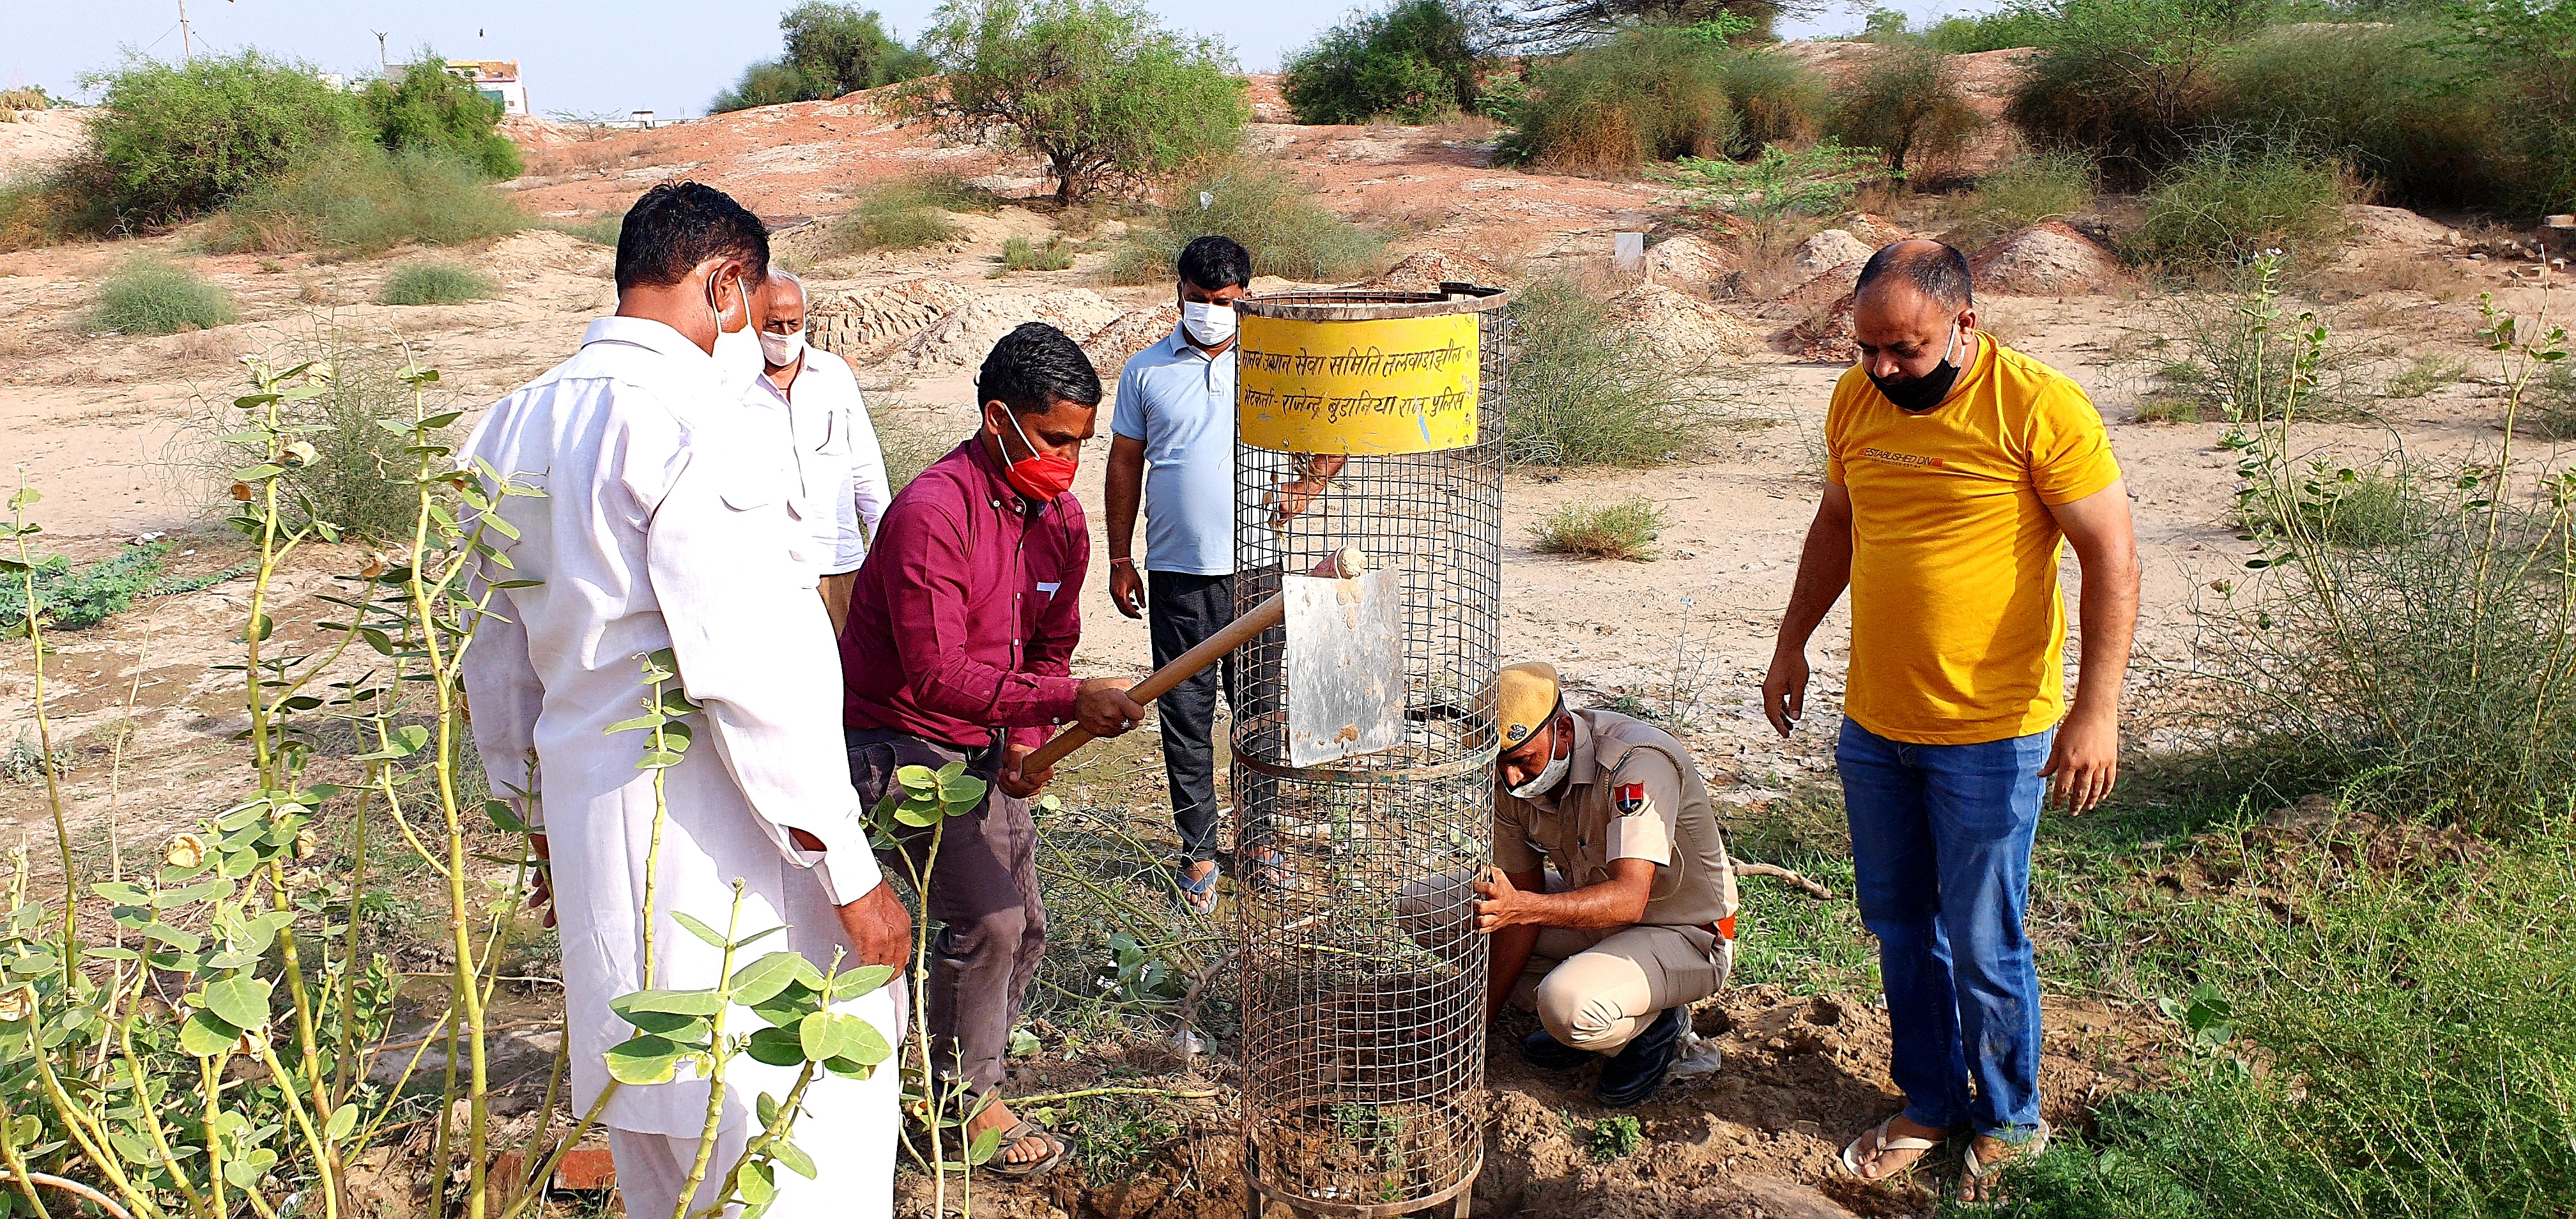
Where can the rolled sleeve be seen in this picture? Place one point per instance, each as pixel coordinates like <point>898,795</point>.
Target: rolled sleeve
<point>1645,832</point>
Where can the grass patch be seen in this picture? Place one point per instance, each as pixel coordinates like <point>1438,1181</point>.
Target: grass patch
<point>2167,408</point>
<point>601,229</point>
<point>2026,191</point>
<point>2552,409</point>
<point>2229,201</point>
<point>905,214</point>
<point>1615,1138</point>
<point>1585,390</point>
<point>1020,254</point>
<point>38,211</point>
<point>909,445</point>
<point>2346,507</point>
<point>75,598</point>
<point>2424,375</point>
<point>1289,232</point>
<point>150,296</point>
<point>1624,530</point>
<point>2218,359</point>
<point>436,283</point>
<point>366,202</point>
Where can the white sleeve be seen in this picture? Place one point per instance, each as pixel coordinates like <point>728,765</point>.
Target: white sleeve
<point>867,479</point>
<point>502,693</point>
<point>756,655</point>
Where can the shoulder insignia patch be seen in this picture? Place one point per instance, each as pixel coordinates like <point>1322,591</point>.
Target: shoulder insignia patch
<point>1629,798</point>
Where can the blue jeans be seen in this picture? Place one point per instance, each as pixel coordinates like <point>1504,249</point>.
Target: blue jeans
<point>1941,839</point>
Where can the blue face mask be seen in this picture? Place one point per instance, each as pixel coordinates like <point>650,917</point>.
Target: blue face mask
<point>1915,395</point>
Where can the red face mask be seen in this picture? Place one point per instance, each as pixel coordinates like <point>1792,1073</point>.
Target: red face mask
<point>1039,476</point>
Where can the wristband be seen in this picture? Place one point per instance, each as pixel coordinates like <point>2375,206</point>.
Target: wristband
<point>1122,559</point>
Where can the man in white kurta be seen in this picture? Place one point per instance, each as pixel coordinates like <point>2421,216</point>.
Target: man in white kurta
<point>840,463</point>
<point>669,520</point>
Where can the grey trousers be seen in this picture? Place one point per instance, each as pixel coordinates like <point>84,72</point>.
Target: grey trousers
<point>983,889</point>
<point>1182,610</point>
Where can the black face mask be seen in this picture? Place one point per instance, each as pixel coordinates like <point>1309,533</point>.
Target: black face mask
<point>1915,395</point>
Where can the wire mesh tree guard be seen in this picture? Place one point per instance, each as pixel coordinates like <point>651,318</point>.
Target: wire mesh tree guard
<point>1363,1042</point>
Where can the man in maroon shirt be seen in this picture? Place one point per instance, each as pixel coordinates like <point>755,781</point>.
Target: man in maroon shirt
<point>958,646</point>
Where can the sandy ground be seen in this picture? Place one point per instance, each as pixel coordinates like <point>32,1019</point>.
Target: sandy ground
<point>109,428</point>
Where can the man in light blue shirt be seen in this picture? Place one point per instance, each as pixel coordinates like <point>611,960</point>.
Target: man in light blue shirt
<point>1173,442</point>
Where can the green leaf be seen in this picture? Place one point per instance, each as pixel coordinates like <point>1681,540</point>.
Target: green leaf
<point>184,941</point>
<point>794,1158</point>
<point>777,1047</point>
<point>984,1146</point>
<point>257,473</point>
<point>647,720</point>
<point>866,1046</point>
<point>825,1034</point>
<point>206,1035</point>
<point>754,1184</point>
<point>123,893</point>
<point>919,814</point>
<point>672,1002</point>
<point>698,929</point>
<point>866,979</point>
<point>765,1107</point>
<point>241,1001</point>
<point>755,983</point>
<point>643,1060</point>
<point>343,1121</point>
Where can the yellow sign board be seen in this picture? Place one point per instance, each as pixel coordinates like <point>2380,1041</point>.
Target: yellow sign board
<point>1391,385</point>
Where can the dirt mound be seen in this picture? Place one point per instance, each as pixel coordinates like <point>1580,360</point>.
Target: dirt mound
<point>41,139</point>
<point>1830,249</point>
<point>862,323</point>
<point>1875,231</point>
<point>965,335</point>
<point>1687,262</point>
<point>1426,270</point>
<point>1823,336</point>
<point>1681,328</point>
<point>2046,259</point>
<point>547,248</point>
<point>2386,226</point>
<point>529,131</point>
<point>1111,345</point>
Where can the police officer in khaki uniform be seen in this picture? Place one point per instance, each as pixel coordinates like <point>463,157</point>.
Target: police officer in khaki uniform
<point>1637,920</point>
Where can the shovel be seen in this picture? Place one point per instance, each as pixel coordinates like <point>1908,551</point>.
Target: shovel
<point>1345,676</point>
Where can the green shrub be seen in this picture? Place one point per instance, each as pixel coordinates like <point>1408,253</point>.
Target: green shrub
<point>2419,123</point>
<point>2014,25</point>
<point>1813,181</point>
<point>1020,254</point>
<point>149,296</point>
<point>1098,90</point>
<point>2526,49</point>
<point>2229,200</point>
<point>1905,101</point>
<point>1278,219</point>
<point>431,109</point>
<point>1624,530</point>
<point>905,214</point>
<point>1585,390</point>
<point>436,283</point>
<point>1645,95</point>
<point>360,476</point>
<point>366,202</point>
<point>72,599</point>
<point>1616,1137</point>
<point>2553,406</point>
<point>1411,62</point>
<point>832,50</point>
<point>37,212</point>
<point>2027,190</point>
<point>2129,80</point>
<point>1776,100</point>
<point>173,140</point>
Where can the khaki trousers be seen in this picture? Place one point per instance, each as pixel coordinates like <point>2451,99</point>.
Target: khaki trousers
<point>1593,990</point>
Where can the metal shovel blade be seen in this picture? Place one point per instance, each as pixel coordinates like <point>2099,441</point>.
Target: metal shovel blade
<point>1345,668</point>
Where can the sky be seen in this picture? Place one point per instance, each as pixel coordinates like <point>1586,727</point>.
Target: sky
<point>584,56</point>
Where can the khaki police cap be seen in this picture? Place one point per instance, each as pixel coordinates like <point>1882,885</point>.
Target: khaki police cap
<point>1525,699</point>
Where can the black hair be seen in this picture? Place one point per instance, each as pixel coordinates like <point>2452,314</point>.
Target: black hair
<point>1939,272</point>
<point>677,225</point>
<point>1216,262</point>
<point>1033,368</point>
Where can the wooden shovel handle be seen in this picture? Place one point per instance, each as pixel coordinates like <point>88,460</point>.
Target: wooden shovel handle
<point>1346,563</point>
<point>1185,666</point>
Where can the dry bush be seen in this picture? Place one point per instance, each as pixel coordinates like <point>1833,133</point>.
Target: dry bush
<point>1403,208</point>
<point>1624,530</point>
<point>2377,271</point>
<point>567,160</point>
<point>1464,128</point>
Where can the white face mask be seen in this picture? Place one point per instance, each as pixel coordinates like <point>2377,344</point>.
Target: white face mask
<point>781,350</point>
<point>1549,777</point>
<point>1208,325</point>
<point>737,352</point>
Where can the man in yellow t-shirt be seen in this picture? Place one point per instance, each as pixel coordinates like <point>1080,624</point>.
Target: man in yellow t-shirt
<point>1954,468</point>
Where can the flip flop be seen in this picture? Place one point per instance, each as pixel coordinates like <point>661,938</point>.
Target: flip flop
<point>1027,1130</point>
<point>1197,896</point>
<point>1972,1174</point>
<point>1853,1153</point>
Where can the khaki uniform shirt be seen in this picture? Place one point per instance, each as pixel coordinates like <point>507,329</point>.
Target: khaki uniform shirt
<point>1631,792</point>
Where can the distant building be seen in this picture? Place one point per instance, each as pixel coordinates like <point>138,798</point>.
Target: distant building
<point>497,79</point>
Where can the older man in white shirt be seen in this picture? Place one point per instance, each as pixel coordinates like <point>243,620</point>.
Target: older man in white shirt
<point>836,444</point>
<point>668,521</point>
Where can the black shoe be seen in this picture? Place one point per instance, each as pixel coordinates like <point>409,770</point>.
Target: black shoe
<point>1633,1074</point>
<point>1542,1050</point>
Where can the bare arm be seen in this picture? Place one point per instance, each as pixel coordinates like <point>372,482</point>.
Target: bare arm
<point>2085,760</point>
<point>1824,571</point>
<point>1512,947</point>
<point>1614,903</point>
<point>1125,489</point>
<point>836,598</point>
